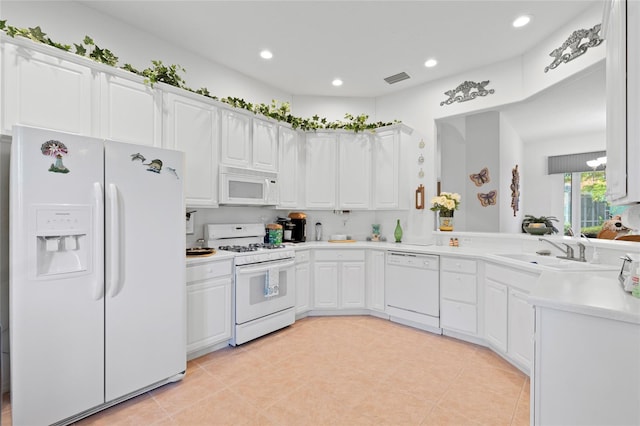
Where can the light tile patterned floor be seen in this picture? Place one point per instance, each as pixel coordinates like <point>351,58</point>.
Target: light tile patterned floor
<point>336,371</point>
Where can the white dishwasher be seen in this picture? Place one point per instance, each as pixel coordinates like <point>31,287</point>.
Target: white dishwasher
<point>412,289</point>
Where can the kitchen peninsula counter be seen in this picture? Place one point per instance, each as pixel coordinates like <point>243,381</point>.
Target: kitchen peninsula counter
<point>598,295</point>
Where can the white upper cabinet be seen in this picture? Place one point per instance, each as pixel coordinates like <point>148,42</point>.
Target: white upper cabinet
<point>130,111</point>
<point>386,155</point>
<point>321,170</point>
<point>43,90</point>
<point>235,139</point>
<point>193,127</point>
<point>265,145</point>
<point>290,168</point>
<point>354,177</point>
<point>248,142</point>
<point>622,22</point>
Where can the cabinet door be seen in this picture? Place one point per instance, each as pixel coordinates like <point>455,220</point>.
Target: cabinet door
<point>265,145</point>
<point>458,316</point>
<point>352,282</point>
<point>235,139</point>
<point>321,170</point>
<point>375,280</point>
<point>289,167</point>
<point>325,285</point>
<point>130,111</point>
<point>386,153</point>
<point>354,176</point>
<point>617,101</point>
<point>208,313</point>
<point>521,319</point>
<point>495,314</point>
<point>45,91</point>
<point>192,127</point>
<point>302,287</point>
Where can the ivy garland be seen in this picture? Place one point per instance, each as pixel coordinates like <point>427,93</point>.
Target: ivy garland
<point>161,73</point>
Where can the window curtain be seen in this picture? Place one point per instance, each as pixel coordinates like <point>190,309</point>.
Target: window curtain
<point>573,162</point>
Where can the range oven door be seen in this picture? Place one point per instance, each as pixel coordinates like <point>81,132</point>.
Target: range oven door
<point>263,289</point>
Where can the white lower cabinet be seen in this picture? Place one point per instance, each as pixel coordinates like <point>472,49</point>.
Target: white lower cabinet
<point>586,369</point>
<point>375,280</point>
<point>458,295</point>
<point>508,316</point>
<point>495,314</point>
<point>339,279</point>
<point>208,306</point>
<point>520,330</point>
<point>303,280</point>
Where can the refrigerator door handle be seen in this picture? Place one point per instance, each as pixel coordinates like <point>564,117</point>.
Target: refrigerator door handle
<point>98,237</point>
<point>114,264</point>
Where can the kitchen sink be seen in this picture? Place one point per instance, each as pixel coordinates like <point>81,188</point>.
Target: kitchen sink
<point>553,262</point>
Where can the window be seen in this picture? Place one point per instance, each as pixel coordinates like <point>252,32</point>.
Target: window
<point>585,203</point>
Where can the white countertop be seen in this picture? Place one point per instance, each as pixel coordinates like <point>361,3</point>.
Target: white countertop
<point>595,294</point>
<point>219,255</point>
<point>592,292</point>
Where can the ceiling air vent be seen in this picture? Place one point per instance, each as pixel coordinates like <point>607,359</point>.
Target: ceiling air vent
<point>396,78</point>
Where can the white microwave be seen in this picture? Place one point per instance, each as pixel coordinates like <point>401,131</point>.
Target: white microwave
<point>242,187</point>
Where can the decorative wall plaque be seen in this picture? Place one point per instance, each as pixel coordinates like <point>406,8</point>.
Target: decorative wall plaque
<point>515,190</point>
<point>576,45</point>
<point>467,95</point>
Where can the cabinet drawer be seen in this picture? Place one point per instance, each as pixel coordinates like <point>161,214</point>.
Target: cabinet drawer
<point>461,287</point>
<point>302,256</point>
<point>458,316</point>
<point>339,255</point>
<point>209,270</point>
<point>458,265</point>
<point>512,277</point>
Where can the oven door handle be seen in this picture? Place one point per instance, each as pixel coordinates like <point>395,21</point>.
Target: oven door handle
<point>264,267</point>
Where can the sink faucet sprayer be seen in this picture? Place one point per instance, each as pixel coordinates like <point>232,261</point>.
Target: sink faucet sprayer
<point>568,251</point>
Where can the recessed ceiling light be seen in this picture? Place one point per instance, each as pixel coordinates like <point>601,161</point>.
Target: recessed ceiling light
<point>430,63</point>
<point>266,54</point>
<point>337,82</point>
<point>521,21</point>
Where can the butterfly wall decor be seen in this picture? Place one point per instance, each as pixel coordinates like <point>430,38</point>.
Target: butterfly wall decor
<point>488,199</point>
<point>481,178</point>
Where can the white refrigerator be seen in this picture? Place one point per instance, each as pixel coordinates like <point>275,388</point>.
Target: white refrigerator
<point>97,276</point>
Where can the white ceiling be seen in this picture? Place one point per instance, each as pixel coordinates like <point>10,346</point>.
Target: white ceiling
<point>361,42</point>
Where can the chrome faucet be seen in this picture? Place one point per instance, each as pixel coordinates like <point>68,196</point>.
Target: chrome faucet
<point>568,250</point>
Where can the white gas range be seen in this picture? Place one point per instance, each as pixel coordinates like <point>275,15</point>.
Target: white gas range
<point>264,279</point>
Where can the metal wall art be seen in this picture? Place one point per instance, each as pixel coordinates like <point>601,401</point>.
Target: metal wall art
<point>576,45</point>
<point>515,190</point>
<point>467,94</point>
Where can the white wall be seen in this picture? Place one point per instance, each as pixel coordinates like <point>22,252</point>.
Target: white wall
<point>453,164</point>
<point>483,150</point>
<point>69,22</point>
<point>357,224</point>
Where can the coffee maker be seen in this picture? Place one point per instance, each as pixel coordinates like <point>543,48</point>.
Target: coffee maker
<point>299,231</point>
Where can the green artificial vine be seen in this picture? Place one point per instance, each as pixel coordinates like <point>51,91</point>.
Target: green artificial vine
<point>161,73</point>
